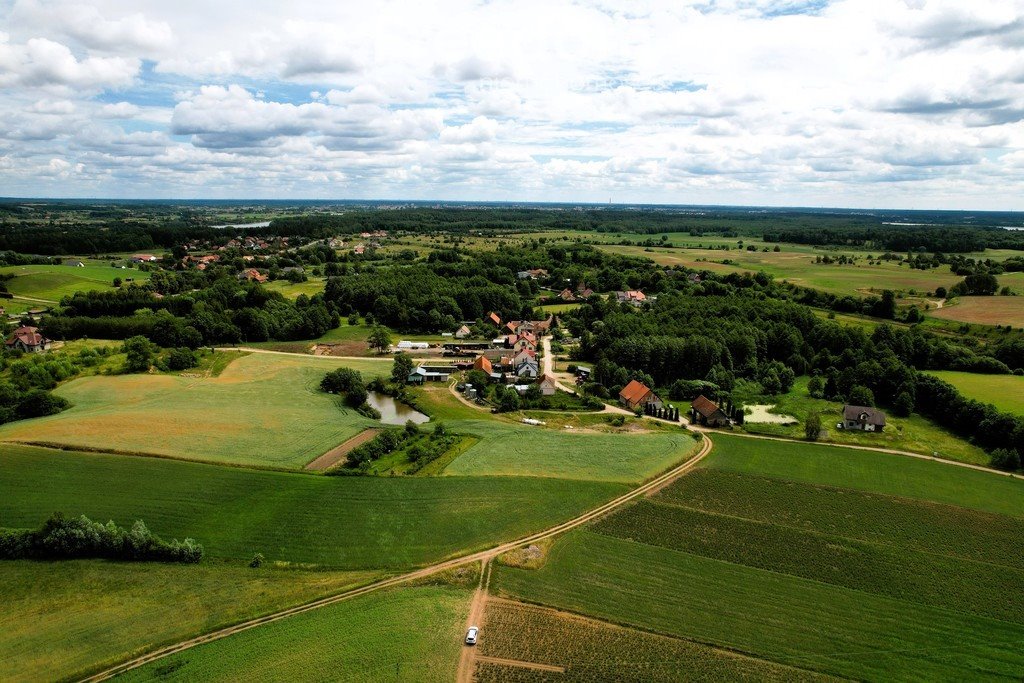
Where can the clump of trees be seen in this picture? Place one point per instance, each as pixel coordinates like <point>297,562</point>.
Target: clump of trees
<point>67,538</point>
<point>420,447</point>
<point>347,382</point>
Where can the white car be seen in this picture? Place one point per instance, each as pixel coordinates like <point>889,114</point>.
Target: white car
<point>471,635</point>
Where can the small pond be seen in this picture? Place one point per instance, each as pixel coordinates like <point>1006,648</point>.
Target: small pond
<point>393,412</point>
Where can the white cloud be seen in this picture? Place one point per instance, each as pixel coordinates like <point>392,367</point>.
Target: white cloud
<point>754,101</point>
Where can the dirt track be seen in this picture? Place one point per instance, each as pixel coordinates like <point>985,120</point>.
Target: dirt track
<point>520,664</point>
<point>483,556</point>
<point>338,453</point>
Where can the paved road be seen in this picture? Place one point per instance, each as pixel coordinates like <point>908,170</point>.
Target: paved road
<point>483,556</point>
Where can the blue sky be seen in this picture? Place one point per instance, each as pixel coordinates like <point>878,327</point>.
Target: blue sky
<point>860,103</point>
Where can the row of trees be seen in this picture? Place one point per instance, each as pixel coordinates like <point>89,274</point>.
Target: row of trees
<point>67,538</point>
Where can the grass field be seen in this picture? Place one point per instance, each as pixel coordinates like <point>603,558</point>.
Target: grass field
<point>1005,392</point>
<point>55,282</point>
<point>509,449</point>
<point>342,522</point>
<point>915,433</point>
<point>314,285</point>
<point>868,471</point>
<point>985,310</point>
<point>61,620</point>
<point>262,409</point>
<point>594,651</point>
<point>405,634</point>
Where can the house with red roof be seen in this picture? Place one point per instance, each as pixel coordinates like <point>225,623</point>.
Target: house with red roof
<point>636,394</point>
<point>29,340</point>
<point>706,412</point>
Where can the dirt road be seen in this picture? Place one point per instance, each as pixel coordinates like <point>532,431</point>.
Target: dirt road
<point>468,656</point>
<point>483,556</point>
<point>250,349</point>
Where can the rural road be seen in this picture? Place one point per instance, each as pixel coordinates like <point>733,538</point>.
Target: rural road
<point>548,368</point>
<point>250,349</point>
<point>467,658</point>
<point>483,556</point>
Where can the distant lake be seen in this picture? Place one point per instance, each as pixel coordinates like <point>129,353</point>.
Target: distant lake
<point>261,224</point>
<point>393,412</point>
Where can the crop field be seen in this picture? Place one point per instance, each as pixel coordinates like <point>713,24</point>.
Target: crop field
<point>510,449</point>
<point>404,634</point>
<point>589,650</point>
<point>882,473</point>
<point>915,433</point>
<point>61,620</point>
<point>341,522</point>
<point>986,310</point>
<point>1005,392</point>
<point>262,409</point>
<point>937,578</point>
<point>791,620</point>
<point>55,282</point>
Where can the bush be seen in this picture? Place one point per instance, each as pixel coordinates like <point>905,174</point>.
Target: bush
<point>1006,459</point>
<point>812,425</point>
<point>257,561</point>
<point>181,358</point>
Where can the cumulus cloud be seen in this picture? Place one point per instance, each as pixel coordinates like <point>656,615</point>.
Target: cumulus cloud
<point>755,101</point>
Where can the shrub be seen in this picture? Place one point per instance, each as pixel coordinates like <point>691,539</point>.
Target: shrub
<point>181,358</point>
<point>257,561</point>
<point>1006,459</point>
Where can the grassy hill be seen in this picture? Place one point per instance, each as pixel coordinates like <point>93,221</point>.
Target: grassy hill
<point>55,282</point>
<point>1005,392</point>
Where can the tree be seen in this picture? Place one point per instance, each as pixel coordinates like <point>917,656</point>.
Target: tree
<point>379,339</point>
<point>903,405</point>
<point>812,425</point>
<point>861,396</point>
<point>139,352</point>
<point>1006,459</point>
<point>816,386</point>
<point>402,368</point>
<point>940,292</point>
<point>509,401</point>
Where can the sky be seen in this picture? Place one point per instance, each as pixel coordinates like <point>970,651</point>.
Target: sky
<point>857,103</point>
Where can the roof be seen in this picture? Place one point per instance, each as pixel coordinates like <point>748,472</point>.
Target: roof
<point>705,406</point>
<point>493,317</point>
<point>481,363</point>
<point>29,336</point>
<point>548,379</point>
<point>872,416</point>
<point>634,392</point>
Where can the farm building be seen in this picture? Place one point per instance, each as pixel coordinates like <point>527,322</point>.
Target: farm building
<point>493,318</point>
<point>252,275</point>
<point>406,345</point>
<point>429,373</point>
<point>29,340</point>
<point>637,395</point>
<point>864,418</point>
<point>631,296</point>
<point>143,258</point>
<point>548,385</point>
<point>706,412</point>
<point>567,295</point>
<point>74,263</point>
<point>462,332</point>
<point>481,363</point>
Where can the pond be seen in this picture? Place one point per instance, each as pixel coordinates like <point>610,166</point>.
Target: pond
<point>393,412</point>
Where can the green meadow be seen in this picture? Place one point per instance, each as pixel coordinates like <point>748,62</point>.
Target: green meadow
<point>1005,392</point>
<point>63,619</point>
<point>52,283</point>
<point>403,634</point>
<point>262,409</point>
<point>340,522</point>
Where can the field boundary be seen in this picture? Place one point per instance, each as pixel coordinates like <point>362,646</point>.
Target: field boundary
<point>519,664</point>
<point>480,556</point>
<point>338,453</point>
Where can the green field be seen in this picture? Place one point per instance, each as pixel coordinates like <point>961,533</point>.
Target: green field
<point>850,468</point>
<point>52,283</point>
<point>1005,392</point>
<point>263,409</point>
<point>342,522</point>
<point>314,285</point>
<point>915,433</point>
<point>61,620</point>
<point>510,449</point>
<point>404,634</point>
<point>791,620</point>
<point>593,651</point>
